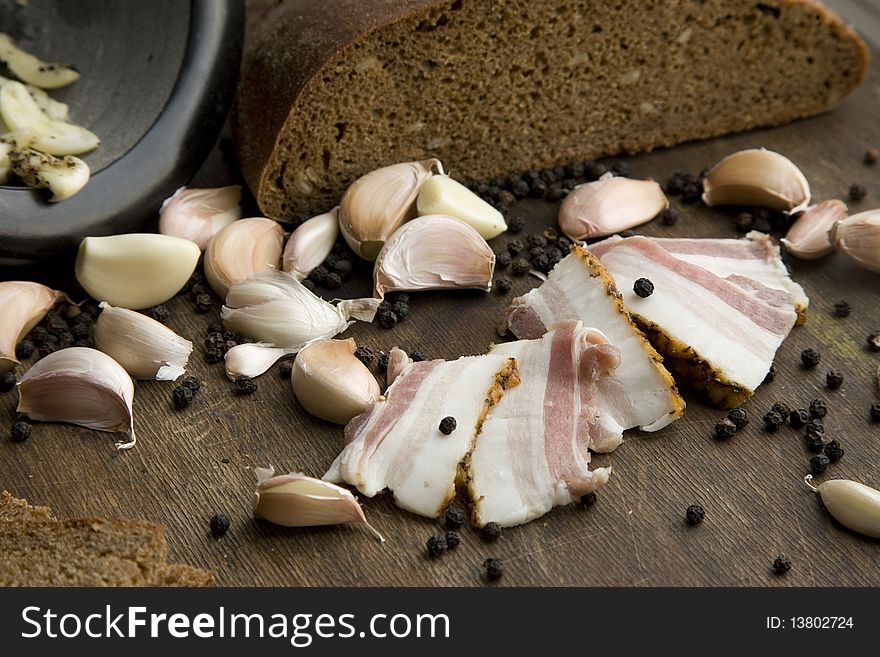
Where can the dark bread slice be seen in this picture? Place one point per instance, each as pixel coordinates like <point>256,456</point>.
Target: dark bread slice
<point>329,92</point>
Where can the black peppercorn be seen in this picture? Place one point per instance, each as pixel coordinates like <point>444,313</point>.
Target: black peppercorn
<point>453,518</point>
<point>874,341</point>
<point>555,193</point>
<point>745,221</point>
<point>692,192</point>
<point>857,192</point>
<point>875,412</point>
<point>20,432</point>
<point>491,531</point>
<point>244,385</point>
<point>781,564</point>
<point>550,235</point>
<point>798,418</point>
<point>725,429</point>
<point>782,408</point>
<point>814,442</point>
<point>515,225</point>
<point>494,569</point>
<point>815,425</point>
<point>215,341</point>
<point>387,319</point>
<point>160,313</point>
<point>343,267</point>
<point>452,540</point>
<point>520,266</point>
<point>536,241</point>
<point>520,188</point>
<point>203,303</point>
<point>771,374</point>
<point>538,188</point>
<point>503,285</point>
<point>588,500</point>
<point>514,247</point>
<point>537,251</point>
<point>7,381</point>
<point>402,297</point>
<point>595,170</point>
<point>400,309</point>
<point>213,355</point>
<point>502,259</point>
<point>38,335</point>
<point>694,514</point>
<point>418,356</point>
<point>364,354</point>
<point>842,309</point>
<point>575,169</point>
<point>436,546</point>
<point>818,408</point>
<point>621,169</point>
<point>447,425</point>
<point>219,524</point>
<point>669,216</point>
<point>833,451</point>
<point>819,463</point>
<point>181,397</point>
<point>834,379</point>
<point>542,263</point>
<point>810,358</point>
<point>643,287</point>
<point>285,367</point>
<point>332,281</point>
<point>738,416</point>
<point>382,363</point>
<point>24,350</point>
<point>674,184</point>
<point>192,383</point>
<point>772,421</point>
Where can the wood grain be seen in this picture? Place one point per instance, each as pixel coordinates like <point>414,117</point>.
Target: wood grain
<point>189,465</point>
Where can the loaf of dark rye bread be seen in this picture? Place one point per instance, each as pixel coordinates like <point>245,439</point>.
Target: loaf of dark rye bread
<point>331,90</point>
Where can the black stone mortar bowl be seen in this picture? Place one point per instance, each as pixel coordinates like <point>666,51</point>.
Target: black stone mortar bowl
<point>157,79</point>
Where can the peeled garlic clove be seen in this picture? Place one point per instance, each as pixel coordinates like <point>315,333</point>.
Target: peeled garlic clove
<point>274,307</point>
<point>33,70</point>
<point>331,383</point>
<point>376,204</point>
<point>24,305</point>
<point>610,205</point>
<point>311,243</point>
<point>757,177</point>
<point>442,195</point>
<point>858,237</point>
<point>80,386</point>
<point>145,348</point>
<point>398,360</point>
<point>5,162</point>
<point>62,176</point>
<point>295,500</point>
<point>242,248</point>
<point>808,237</point>
<point>853,505</point>
<point>54,109</point>
<point>137,270</point>
<point>199,214</point>
<point>434,252</point>
<point>253,359</point>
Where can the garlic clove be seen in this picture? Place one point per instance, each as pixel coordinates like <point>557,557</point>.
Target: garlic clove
<point>610,205</point>
<point>434,252</point>
<point>54,109</point>
<point>62,176</point>
<point>145,348</point>
<point>853,505</point>
<point>24,305</point>
<point>242,248</point>
<point>33,70</point>
<point>398,360</point>
<point>295,500</point>
<point>757,177</point>
<point>199,214</point>
<point>858,238</point>
<point>441,194</point>
<point>375,205</point>
<point>311,243</point>
<point>80,386</point>
<point>275,307</point>
<point>5,161</point>
<point>808,237</point>
<point>253,359</point>
<point>331,383</point>
<point>137,270</point>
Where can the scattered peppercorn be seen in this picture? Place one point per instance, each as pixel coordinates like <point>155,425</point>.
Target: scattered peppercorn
<point>192,383</point>
<point>669,216</point>
<point>400,309</point>
<point>834,379</point>
<point>364,354</point>
<point>874,341</point>
<point>515,225</point>
<point>739,416</point>
<point>332,281</point>
<point>816,426</point>
<point>453,518</point>
<point>203,303</point>
<point>875,412</point>
<point>491,531</point>
<point>453,540</point>
<point>503,285</point>
<point>285,367</point>
<point>7,381</point>
<point>772,421</point>
<point>781,564</point>
<point>782,408</point>
<point>24,350</point>
<point>542,263</point>
<point>494,569</point>
<point>213,355</point>
<point>694,514</point>
<point>819,463</point>
<point>514,247</point>
<point>520,267</point>
<point>762,222</point>
<point>818,408</point>
<point>502,259</point>
<point>387,318</point>
<point>842,308</point>
<point>536,241</point>
<point>550,234</point>
<point>857,192</point>
<point>343,267</point>
<point>160,313</point>
<point>745,221</point>
<point>725,429</point>
<point>436,546</point>
<point>833,451</point>
<point>798,418</point>
<point>643,287</point>
<point>872,155</point>
<point>382,363</point>
<point>418,356</point>
<point>814,442</point>
<point>588,500</point>
<point>447,425</point>
<point>810,358</point>
<point>244,385</point>
<point>771,374</point>
<point>20,432</point>
<point>219,524</point>
<point>181,397</point>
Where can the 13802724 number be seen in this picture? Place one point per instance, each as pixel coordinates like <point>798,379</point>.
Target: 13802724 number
<point>821,622</point>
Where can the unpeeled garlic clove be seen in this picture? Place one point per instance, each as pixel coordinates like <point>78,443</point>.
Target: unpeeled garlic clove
<point>31,69</point>
<point>145,348</point>
<point>295,500</point>
<point>311,243</point>
<point>442,195</point>
<point>241,249</point>
<point>253,359</point>
<point>275,307</point>
<point>331,383</point>
<point>858,237</point>
<point>808,237</point>
<point>610,205</point>
<point>24,305</point>
<point>375,205</point>
<point>853,505</point>
<point>757,177</point>
<point>398,360</point>
<point>434,252</point>
<point>62,176</point>
<point>199,214</point>
<point>80,386</point>
<point>135,270</point>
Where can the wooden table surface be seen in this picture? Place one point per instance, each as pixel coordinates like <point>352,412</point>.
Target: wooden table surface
<point>189,465</point>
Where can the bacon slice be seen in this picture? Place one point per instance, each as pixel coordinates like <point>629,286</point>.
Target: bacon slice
<point>639,393</point>
<point>397,444</point>
<point>533,451</point>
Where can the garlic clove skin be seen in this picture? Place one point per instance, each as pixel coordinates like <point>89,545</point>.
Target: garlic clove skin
<point>331,383</point>
<point>82,386</point>
<point>376,204</point>
<point>440,194</point>
<point>242,248</point>
<point>295,500</point>
<point>62,176</point>
<point>398,360</point>
<point>853,505</point>
<point>31,69</point>
<point>24,305</point>
<point>434,252</point>
<point>858,238</point>
<point>311,243</point>
<point>807,239</point>
<point>145,348</point>
<point>610,205</point>
<point>253,359</point>
<point>757,177</point>
<point>199,214</point>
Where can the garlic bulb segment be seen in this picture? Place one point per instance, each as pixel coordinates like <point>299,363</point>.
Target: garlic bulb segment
<point>757,177</point>
<point>331,383</point>
<point>145,348</point>
<point>443,195</point>
<point>858,238</point>
<point>610,205</point>
<point>375,205</point>
<point>80,386</point>
<point>398,360</point>
<point>434,252</point>
<point>31,69</point>
<point>24,305</point>
<point>61,176</point>
<point>807,238</point>
<point>274,307</point>
<point>242,248</point>
<point>311,243</point>
<point>54,109</point>
<point>853,505</point>
<point>295,500</point>
<point>136,270</point>
<point>253,359</point>
<point>199,214</point>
